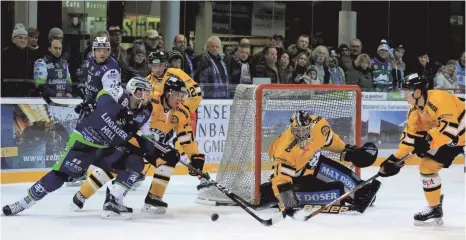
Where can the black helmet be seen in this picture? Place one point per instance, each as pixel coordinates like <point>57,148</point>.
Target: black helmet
<point>158,56</point>
<point>174,84</point>
<point>301,125</point>
<point>415,81</point>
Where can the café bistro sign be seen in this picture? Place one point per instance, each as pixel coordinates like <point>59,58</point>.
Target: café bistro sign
<point>91,8</point>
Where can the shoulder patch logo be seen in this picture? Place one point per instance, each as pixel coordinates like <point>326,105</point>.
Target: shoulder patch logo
<point>174,119</point>
<point>325,130</point>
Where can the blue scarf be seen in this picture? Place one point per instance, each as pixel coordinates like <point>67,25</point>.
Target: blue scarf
<point>336,75</point>
<point>190,64</point>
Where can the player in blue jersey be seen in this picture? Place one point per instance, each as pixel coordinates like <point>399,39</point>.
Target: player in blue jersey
<point>118,115</point>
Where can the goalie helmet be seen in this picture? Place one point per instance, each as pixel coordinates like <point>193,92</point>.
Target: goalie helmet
<point>301,125</point>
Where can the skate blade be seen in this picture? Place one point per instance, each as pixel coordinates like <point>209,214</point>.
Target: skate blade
<point>430,222</point>
<point>149,209</point>
<point>74,208</point>
<point>74,184</point>
<point>106,214</point>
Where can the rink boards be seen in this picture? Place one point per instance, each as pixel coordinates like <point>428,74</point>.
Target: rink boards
<point>34,134</point>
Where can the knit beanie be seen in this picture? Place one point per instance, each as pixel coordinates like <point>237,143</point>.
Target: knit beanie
<point>383,46</point>
<point>19,30</point>
<point>55,32</point>
<point>174,54</point>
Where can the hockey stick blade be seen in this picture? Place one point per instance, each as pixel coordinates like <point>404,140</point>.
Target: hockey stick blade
<point>235,198</point>
<point>303,215</point>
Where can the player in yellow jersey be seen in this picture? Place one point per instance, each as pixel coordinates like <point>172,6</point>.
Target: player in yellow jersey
<point>168,116</point>
<point>435,132</point>
<point>302,175</point>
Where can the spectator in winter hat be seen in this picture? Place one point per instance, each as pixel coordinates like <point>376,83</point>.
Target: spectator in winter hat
<point>137,64</point>
<point>151,41</point>
<point>382,68</point>
<point>175,59</point>
<point>16,65</point>
<point>55,33</point>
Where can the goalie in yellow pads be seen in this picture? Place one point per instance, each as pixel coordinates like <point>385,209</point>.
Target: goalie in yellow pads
<point>303,176</point>
<point>435,132</point>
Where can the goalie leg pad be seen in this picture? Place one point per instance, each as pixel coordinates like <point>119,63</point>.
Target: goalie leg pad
<point>328,170</point>
<point>286,198</point>
<point>365,196</point>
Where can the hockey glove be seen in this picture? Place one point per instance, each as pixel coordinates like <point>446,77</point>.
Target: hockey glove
<point>361,157</point>
<point>390,167</point>
<point>84,108</point>
<point>421,146</point>
<point>197,161</point>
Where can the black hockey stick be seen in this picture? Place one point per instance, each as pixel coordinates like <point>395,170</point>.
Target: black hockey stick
<point>368,181</point>
<point>235,198</point>
<point>49,101</point>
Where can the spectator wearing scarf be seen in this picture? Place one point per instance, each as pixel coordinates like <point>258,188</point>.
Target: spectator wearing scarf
<point>211,71</point>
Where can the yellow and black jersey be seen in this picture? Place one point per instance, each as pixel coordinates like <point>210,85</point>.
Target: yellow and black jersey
<point>442,118</point>
<point>164,122</point>
<point>195,94</point>
<point>287,152</point>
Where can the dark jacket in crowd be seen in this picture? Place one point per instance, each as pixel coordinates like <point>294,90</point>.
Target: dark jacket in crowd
<point>212,75</point>
<point>17,64</point>
<point>360,77</point>
<point>428,72</point>
<point>265,71</point>
<point>234,66</point>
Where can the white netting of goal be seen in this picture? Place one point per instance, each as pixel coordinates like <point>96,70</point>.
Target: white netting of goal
<point>237,169</point>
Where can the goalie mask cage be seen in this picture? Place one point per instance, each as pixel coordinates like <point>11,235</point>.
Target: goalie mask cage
<point>259,114</point>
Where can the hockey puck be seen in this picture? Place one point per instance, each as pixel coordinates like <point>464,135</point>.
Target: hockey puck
<point>214,217</point>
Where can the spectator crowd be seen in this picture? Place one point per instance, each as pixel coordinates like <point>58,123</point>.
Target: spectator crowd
<point>219,69</point>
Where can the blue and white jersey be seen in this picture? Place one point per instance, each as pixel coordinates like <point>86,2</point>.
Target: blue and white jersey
<point>104,76</point>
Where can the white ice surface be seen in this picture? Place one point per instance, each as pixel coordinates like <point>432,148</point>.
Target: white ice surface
<point>391,217</point>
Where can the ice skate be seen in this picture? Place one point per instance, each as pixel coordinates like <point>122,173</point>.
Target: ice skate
<point>78,201</point>
<point>430,216</point>
<point>154,205</point>
<point>115,209</point>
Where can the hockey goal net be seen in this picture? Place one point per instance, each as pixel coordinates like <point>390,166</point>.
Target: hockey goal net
<point>259,114</point>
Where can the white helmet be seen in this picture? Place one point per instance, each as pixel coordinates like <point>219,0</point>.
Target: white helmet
<point>138,83</point>
<point>100,42</point>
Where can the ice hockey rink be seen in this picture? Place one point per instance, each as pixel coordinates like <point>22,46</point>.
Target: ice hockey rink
<point>391,217</point>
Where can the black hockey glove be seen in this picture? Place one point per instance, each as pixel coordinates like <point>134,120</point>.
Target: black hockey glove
<point>390,167</point>
<point>361,157</point>
<point>131,126</point>
<point>197,161</point>
<point>84,108</point>
<point>421,145</point>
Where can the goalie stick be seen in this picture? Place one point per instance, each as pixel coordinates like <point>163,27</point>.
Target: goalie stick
<point>235,198</point>
<point>299,215</point>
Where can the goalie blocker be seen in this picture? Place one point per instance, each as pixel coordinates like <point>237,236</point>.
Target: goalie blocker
<point>329,180</point>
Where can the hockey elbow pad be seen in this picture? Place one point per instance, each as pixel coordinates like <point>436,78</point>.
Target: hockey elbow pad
<point>197,161</point>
